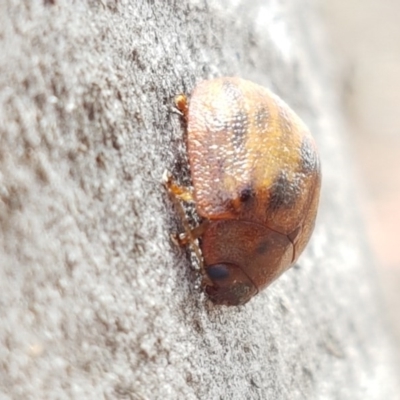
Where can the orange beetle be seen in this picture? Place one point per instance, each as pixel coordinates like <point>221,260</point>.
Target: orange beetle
<point>256,181</point>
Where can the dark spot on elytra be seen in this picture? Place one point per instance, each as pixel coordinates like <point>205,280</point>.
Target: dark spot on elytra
<point>239,126</point>
<point>238,122</point>
<point>261,118</point>
<point>247,194</point>
<point>283,193</point>
<point>309,159</point>
<point>217,123</point>
<point>244,202</point>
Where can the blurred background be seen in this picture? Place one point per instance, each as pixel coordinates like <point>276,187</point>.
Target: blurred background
<point>365,37</point>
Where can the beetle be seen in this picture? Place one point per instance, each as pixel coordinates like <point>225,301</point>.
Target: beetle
<point>256,180</point>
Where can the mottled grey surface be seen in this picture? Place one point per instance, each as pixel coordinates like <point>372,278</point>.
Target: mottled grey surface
<point>95,301</point>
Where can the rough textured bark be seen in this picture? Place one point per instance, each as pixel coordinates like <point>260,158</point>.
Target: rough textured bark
<point>96,302</point>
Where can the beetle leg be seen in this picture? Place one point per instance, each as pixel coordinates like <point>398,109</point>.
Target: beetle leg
<point>190,236</point>
<point>178,194</point>
<point>184,239</point>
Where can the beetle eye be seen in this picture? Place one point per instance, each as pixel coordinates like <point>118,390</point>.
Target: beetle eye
<point>218,272</point>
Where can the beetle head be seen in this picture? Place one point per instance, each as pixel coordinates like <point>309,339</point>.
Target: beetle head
<point>241,258</point>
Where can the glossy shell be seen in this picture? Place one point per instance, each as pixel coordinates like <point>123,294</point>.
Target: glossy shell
<point>256,178</point>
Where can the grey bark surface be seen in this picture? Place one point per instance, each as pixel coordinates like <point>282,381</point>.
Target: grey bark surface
<point>96,302</point>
